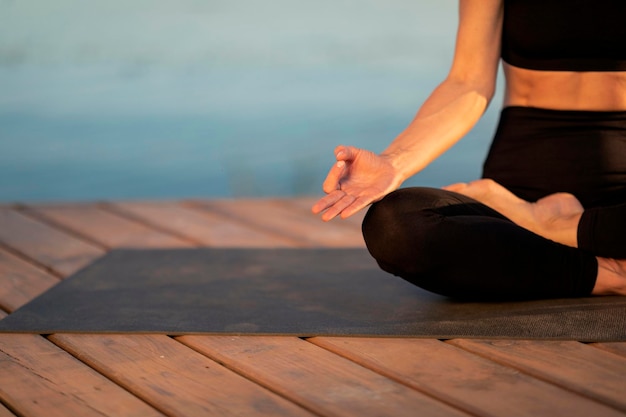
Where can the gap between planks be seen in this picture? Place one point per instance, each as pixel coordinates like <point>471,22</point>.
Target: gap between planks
<point>280,217</point>
<point>473,383</point>
<point>45,245</point>
<point>103,228</point>
<point>315,378</point>
<point>181,381</point>
<point>586,370</point>
<point>203,227</point>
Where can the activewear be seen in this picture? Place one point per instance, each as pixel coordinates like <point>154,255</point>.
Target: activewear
<point>453,245</point>
<point>559,35</point>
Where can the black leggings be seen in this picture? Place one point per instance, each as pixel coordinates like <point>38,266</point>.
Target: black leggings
<point>453,245</point>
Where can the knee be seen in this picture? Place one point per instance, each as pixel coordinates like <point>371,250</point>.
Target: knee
<point>402,213</point>
<point>383,220</point>
<point>399,231</point>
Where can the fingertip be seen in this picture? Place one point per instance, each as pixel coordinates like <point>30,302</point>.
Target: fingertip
<point>329,187</point>
<point>319,206</point>
<point>328,216</point>
<point>343,152</point>
<point>331,183</point>
<point>347,212</point>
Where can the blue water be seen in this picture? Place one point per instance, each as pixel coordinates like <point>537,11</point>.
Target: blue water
<point>157,99</point>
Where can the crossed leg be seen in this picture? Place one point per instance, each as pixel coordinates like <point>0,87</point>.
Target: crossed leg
<point>555,217</point>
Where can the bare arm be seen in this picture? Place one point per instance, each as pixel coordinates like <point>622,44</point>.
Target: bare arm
<point>361,177</point>
<point>460,100</point>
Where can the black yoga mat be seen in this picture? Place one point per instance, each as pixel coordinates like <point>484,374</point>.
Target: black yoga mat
<point>301,292</point>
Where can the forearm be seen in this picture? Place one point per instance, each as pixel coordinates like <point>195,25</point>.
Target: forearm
<point>446,116</point>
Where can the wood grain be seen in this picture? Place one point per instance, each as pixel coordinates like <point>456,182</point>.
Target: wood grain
<point>457,377</point>
<point>39,379</point>
<point>316,379</point>
<point>104,228</point>
<point>619,348</point>
<point>572,365</point>
<point>173,378</point>
<point>44,244</point>
<point>204,228</point>
<point>297,223</point>
<point>21,281</point>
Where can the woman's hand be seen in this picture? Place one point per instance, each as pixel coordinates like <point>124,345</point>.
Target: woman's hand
<point>359,178</point>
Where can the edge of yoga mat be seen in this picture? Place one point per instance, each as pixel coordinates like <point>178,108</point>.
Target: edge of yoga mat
<point>296,292</point>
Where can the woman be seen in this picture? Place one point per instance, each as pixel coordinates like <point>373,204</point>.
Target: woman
<point>548,219</point>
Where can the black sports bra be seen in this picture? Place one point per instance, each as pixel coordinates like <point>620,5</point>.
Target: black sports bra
<point>565,35</point>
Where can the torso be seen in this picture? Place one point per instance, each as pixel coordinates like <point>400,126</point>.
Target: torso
<point>565,90</point>
<point>565,55</point>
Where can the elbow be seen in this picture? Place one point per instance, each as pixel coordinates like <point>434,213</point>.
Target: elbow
<point>479,83</point>
<point>481,89</point>
<point>488,94</point>
<point>484,87</point>
<point>488,91</point>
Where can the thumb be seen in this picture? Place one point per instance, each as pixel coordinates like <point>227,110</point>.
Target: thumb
<point>334,175</point>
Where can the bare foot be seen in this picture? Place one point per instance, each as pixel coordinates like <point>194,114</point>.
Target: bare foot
<point>554,217</point>
<point>611,278</point>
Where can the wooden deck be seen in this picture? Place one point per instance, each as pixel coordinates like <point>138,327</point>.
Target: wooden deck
<point>157,375</point>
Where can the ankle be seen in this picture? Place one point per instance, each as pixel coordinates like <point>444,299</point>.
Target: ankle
<point>563,229</point>
<point>557,216</point>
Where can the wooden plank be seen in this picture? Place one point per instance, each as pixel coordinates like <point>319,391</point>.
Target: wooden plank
<point>572,365</point>
<point>39,379</point>
<point>277,217</point>
<point>173,378</point>
<point>315,378</point>
<point>103,227</point>
<point>61,253</point>
<point>201,227</point>
<point>20,281</point>
<point>474,384</point>
<point>4,412</point>
<point>619,348</point>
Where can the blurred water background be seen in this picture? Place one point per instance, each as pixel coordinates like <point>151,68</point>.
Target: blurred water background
<point>158,99</point>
